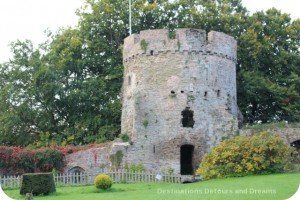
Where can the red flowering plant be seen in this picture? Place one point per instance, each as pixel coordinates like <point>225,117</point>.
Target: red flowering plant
<point>23,160</point>
<point>47,159</point>
<point>18,160</point>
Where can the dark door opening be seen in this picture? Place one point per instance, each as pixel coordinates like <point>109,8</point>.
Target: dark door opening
<point>296,144</point>
<point>186,159</point>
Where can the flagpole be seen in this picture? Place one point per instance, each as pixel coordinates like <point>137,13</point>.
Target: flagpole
<point>130,17</point>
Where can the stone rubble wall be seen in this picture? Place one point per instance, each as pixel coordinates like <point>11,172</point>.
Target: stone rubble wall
<point>86,159</point>
<point>290,135</point>
<point>89,160</point>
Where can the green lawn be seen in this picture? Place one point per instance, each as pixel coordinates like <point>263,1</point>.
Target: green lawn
<point>279,186</point>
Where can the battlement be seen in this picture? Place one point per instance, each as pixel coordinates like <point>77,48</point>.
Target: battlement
<point>153,42</point>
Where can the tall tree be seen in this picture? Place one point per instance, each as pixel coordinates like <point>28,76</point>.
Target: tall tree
<point>268,70</point>
<point>18,107</point>
<point>68,90</point>
<point>226,16</point>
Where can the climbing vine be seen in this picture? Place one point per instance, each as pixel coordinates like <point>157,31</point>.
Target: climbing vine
<point>144,45</point>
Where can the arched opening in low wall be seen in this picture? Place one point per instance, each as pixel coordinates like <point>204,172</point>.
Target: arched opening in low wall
<point>76,170</point>
<point>296,144</point>
<point>75,174</point>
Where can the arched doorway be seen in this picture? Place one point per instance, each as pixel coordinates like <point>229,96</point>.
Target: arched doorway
<point>186,159</point>
<point>76,170</point>
<point>75,175</point>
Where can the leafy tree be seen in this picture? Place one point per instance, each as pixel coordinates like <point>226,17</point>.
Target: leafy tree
<point>268,70</point>
<point>18,107</point>
<point>70,94</point>
<point>226,16</point>
<point>67,91</point>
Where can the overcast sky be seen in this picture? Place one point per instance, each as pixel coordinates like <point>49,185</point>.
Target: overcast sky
<point>28,19</point>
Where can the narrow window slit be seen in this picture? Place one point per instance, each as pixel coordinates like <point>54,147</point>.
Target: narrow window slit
<point>129,80</point>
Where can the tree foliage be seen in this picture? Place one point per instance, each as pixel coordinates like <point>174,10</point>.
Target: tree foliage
<point>67,91</point>
<point>268,71</point>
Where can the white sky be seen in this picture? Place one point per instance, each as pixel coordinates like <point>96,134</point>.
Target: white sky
<point>28,19</point>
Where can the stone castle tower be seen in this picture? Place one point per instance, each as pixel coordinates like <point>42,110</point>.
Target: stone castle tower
<point>179,96</point>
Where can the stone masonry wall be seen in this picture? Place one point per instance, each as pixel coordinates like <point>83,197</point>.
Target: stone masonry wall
<point>290,135</point>
<point>88,160</point>
<point>163,77</point>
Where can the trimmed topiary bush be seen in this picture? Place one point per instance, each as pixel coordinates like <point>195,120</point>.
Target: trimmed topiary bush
<point>103,181</point>
<point>37,184</point>
<point>263,153</point>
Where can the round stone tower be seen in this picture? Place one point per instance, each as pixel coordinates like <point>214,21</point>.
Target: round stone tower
<point>179,96</point>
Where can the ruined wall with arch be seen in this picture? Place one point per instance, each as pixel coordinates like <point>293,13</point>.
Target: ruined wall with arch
<point>88,161</point>
<point>92,160</point>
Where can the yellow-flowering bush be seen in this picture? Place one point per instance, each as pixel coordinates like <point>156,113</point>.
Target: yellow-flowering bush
<point>103,181</point>
<point>261,153</point>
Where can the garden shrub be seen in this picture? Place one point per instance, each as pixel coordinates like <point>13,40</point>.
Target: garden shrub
<point>262,153</point>
<point>25,161</point>
<point>37,184</point>
<point>103,181</point>
<point>134,168</point>
<point>16,160</point>
<point>6,160</point>
<point>135,172</point>
<point>48,159</point>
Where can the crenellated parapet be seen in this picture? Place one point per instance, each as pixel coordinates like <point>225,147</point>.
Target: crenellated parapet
<point>154,42</point>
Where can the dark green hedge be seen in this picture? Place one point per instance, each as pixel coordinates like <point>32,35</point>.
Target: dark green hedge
<point>39,183</point>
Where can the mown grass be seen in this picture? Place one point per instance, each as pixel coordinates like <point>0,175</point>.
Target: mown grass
<point>278,186</point>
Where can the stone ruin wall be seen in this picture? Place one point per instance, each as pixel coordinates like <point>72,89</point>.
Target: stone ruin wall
<point>289,135</point>
<point>195,70</point>
<point>90,160</point>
